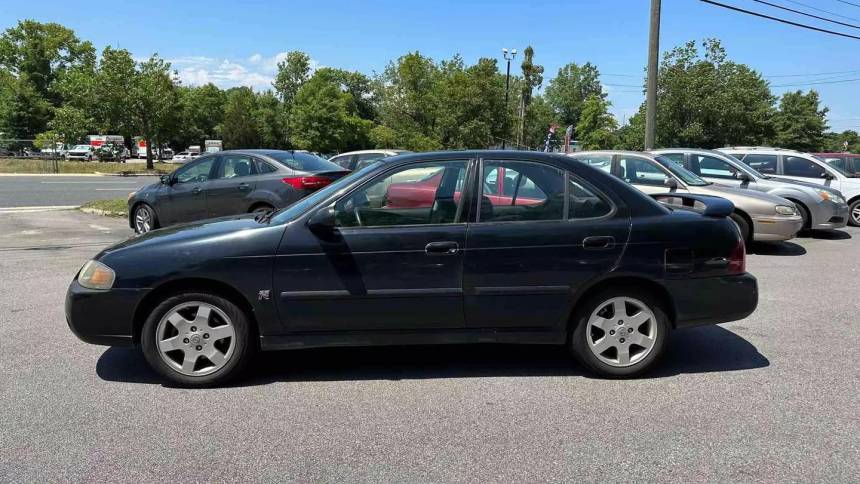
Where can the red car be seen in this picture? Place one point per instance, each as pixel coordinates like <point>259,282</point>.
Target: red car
<point>848,162</point>
<point>498,188</point>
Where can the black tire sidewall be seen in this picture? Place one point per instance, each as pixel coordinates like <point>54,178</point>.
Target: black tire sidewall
<point>744,227</point>
<point>854,205</point>
<point>578,343</point>
<point>242,351</point>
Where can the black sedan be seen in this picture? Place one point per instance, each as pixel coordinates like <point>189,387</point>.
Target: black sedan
<point>229,183</point>
<point>420,249</point>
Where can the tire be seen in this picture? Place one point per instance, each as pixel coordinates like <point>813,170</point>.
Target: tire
<point>743,227</point>
<point>854,213</point>
<point>647,329</point>
<point>178,341</point>
<point>804,214</point>
<point>144,219</point>
<point>261,208</point>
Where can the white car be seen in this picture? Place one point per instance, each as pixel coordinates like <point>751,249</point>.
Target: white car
<point>184,156</point>
<point>794,165</point>
<point>80,152</point>
<point>359,159</point>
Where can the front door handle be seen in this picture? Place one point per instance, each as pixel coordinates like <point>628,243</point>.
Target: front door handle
<point>598,242</point>
<point>442,248</point>
<point>243,187</point>
<point>196,191</point>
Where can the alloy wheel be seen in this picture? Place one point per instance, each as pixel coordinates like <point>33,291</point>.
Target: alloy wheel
<point>855,213</point>
<point>621,331</point>
<point>143,220</point>
<point>195,338</point>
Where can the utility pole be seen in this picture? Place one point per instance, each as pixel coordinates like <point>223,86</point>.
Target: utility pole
<point>507,88</point>
<point>651,96</point>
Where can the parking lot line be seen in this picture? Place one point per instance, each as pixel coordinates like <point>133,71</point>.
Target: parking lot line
<point>43,208</point>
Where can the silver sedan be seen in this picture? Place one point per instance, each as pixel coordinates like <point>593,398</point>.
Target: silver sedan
<point>759,216</point>
<point>820,207</point>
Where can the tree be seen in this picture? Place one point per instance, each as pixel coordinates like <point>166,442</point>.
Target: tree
<point>568,91</point>
<point>37,55</point>
<point>240,121</point>
<point>539,117</point>
<point>800,124</point>
<point>110,98</point>
<point>293,72</point>
<point>596,127</point>
<point>469,112</point>
<point>71,124</point>
<point>532,79</point>
<point>271,121</point>
<point>408,101</point>
<point>848,140</point>
<point>708,101</point>
<point>153,98</point>
<point>324,116</point>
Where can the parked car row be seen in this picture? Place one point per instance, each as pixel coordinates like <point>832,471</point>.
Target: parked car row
<point>446,247</point>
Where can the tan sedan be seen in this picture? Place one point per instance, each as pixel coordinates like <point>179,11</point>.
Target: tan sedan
<point>759,216</point>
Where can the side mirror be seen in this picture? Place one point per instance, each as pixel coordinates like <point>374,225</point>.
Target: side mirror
<point>323,220</point>
<point>827,175</point>
<point>670,183</point>
<point>165,179</point>
<point>744,177</point>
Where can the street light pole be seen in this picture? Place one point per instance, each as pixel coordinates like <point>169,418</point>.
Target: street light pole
<point>507,89</point>
<point>651,95</point>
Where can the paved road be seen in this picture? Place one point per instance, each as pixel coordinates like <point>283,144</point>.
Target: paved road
<point>768,399</point>
<point>29,191</point>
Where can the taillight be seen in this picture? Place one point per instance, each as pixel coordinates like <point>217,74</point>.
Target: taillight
<point>307,182</point>
<point>738,259</point>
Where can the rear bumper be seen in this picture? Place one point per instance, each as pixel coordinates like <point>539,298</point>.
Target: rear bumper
<point>773,228</point>
<point>102,317</point>
<point>713,300</point>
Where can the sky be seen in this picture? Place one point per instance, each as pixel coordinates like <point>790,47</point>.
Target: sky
<point>240,42</point>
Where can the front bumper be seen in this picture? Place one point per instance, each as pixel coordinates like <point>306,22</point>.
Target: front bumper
<point>713,300</point>
<point>776,227</point>
<point>829,216</point>
<point>102,317</point>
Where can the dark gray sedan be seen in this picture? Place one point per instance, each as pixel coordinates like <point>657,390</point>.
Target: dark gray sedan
<point>229,183</point>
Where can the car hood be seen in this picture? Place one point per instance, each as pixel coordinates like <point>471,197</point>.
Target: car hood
<point>233,228</point>
<point>738,195</point>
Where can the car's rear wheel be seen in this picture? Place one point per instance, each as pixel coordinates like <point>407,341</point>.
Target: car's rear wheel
<point>620,332</point>
<point>261,209</point>
<point>854,213</point>
<point>197,339</point>
<point>144,219</point>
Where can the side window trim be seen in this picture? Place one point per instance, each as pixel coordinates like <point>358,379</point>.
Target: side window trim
<point>568,178</point>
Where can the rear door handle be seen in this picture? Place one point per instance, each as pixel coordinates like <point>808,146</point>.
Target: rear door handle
<point>598,242</point>
<point>442,248</point>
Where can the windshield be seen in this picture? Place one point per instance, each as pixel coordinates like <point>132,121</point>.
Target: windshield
<point>684,174</point>
<point>81,148</point>
<point>288,214</point>
<point>835,168</point>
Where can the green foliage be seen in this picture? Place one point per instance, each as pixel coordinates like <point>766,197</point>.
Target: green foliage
<point>241,129</point>
<point>293,72</point>
<point>153,96</point>
<point>705,100</point>
<point>532,78</point>
<point>836,142</point>
<point>596,127</point>
<point>539,117</point>
<point>800,124</point>
<point>570,88</point>
<point>71,124</point>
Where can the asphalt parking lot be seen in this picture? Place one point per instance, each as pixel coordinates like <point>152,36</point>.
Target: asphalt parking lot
<point>770,398</point>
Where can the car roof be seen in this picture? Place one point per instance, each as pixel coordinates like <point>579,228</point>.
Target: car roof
<point>470,154</point>
<point>612,152</point>
<point>380,150</point>
<point>688,150</point>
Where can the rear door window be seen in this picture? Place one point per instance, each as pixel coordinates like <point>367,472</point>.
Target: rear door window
<point>515,191</point>
<point>236,166</point>
<point>763,163</point>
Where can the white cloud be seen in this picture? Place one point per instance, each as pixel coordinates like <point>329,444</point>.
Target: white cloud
<point>255,71</point>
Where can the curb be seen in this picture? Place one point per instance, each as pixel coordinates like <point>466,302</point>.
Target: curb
<point>98,211</point>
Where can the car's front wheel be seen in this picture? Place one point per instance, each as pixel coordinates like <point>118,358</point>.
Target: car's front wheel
<point>854,213</point>
<point>620,332</point>
<point>197,339</point>
<point>144,219</point>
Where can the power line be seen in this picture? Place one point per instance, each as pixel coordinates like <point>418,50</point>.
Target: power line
<point>814,75</point>
<point>789,22</point>
<point>849,3</point>
<point>822,11</point>
<point>820,82</point>
<point>807,14</point>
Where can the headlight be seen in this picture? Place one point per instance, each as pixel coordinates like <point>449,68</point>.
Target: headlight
<point>832,196</point>
<point>95,275</point>
<point>786,210</point>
